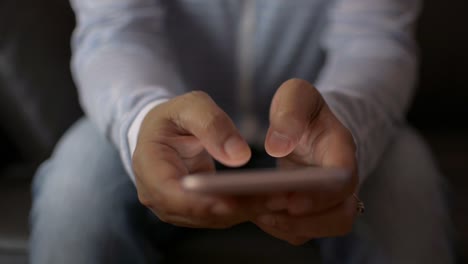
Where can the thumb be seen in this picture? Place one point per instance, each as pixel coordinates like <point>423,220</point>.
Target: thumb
<point>213,128</point>
<point>295,105</point>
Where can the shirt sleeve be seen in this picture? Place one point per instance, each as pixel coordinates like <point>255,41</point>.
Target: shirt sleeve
<point>370,71</point>
<point>121,63</point>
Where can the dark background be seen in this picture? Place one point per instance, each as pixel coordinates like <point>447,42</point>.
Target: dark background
<point>38,102</point>
<point>440,109</point>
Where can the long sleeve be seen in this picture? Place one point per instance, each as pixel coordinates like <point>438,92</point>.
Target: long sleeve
<point>370,71</point>
<point>121,63</point>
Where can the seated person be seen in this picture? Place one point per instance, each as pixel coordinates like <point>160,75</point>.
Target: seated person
<point>169,87</point>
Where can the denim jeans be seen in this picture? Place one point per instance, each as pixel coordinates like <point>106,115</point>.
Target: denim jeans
<point>86,210</point>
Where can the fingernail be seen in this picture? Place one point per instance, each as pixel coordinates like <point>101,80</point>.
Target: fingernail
<point>220,209</point>
<point>277,203</point>
<point>267,220</point>
<point>280,142</point>
<point>236,148</point>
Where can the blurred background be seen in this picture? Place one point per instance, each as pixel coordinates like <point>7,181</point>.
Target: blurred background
<point>38,102</point>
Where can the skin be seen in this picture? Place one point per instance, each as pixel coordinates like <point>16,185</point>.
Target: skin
<point>185,134</point>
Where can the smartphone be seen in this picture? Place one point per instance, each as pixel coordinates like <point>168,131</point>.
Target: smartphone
<point>245,182</point>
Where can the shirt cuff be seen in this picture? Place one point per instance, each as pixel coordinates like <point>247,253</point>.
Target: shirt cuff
<point>134,129</point>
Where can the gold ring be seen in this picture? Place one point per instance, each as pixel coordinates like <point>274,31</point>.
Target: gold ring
<point>360,205</point>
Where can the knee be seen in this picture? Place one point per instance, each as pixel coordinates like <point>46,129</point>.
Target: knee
<point>66,202</point>
<point>406,209</point>
<point>83,201</point>
<point>83,183</point>
<point>407,172</point>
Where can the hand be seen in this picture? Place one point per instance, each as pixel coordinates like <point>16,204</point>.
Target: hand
<point>304,132</point>
<point>180,137</point>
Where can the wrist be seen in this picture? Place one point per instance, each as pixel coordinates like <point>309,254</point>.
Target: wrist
<point>134,130</point>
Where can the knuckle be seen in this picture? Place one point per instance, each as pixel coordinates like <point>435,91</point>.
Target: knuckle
<point>144,200</point>
<point>197,94</point>
<point>153,203</point>
<point>186,102</point>
<point>303,84</point>
<point>298,82</point>
<point>164,215</point>
<point>293,120</point>
<point>164,218</point>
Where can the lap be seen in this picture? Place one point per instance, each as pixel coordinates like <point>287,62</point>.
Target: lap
<point>84,169</point>
<point>84,183</point>
<point>406,213</point>
<point>85,206</point>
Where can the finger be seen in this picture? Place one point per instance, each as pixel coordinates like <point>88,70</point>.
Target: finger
<point>324,143</point>
<point>159,189</point>
<point>181,221</point>
<point>327,193</point>
<point>199,115</point>
<point>292,239</point>
<point>171,144</point>
<point>337,221</point>
<point>251,206</point>
<point>336,150</point>
<point>294,106</point>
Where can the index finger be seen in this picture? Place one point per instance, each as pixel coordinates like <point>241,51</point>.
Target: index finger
<point>161,191</point>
